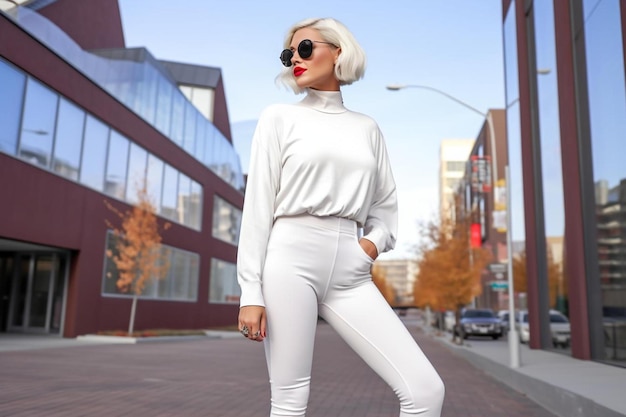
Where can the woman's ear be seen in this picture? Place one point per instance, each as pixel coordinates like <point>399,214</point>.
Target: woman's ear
<point>337,53</point>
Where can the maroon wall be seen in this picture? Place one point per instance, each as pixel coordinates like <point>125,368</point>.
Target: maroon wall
<point>93,24</point>
<point>49,210</point>
<point>220,110</point>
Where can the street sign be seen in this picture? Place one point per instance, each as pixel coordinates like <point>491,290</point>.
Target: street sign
<point>499,285</point>
<point>497,268</point>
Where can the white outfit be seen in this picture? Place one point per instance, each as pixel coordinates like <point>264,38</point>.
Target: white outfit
<point>318,173</point>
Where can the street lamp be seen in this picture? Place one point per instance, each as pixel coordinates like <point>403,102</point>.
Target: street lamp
<point>486,116</point>
<point>513,337</point>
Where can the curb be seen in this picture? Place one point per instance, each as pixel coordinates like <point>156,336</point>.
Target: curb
<point>136,340</point>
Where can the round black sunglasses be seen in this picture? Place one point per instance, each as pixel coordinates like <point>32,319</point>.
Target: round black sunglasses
<point>305,50</point>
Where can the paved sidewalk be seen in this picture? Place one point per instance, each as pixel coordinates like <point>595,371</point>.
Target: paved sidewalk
<point>225,378</point>
<point>567,386</point>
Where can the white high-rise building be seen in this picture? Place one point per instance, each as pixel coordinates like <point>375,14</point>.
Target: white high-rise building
<point>453,156</point>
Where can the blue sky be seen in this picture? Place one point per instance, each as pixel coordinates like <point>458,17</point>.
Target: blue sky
<point>451,45</point>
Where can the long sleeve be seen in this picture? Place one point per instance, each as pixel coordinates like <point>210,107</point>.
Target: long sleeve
<point>258,209</point>
<point>381,224</point>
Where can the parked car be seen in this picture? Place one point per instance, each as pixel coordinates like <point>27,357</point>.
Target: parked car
<point>479,322</point>
<point>503,315</point>
<point>559,328</point>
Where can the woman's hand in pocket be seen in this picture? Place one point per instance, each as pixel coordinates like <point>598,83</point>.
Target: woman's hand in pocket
<point>369,248</point>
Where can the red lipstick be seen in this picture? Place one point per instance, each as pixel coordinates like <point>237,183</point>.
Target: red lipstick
<point>298,71</point>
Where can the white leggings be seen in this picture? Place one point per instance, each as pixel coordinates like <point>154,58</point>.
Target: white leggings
<point>315,265</point>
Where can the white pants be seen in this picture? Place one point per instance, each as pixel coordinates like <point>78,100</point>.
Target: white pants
<point>315,265</point>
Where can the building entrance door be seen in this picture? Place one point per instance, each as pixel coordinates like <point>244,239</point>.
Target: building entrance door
<point>37,288</point>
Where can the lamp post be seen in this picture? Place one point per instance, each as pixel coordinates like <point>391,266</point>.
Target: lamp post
<point>513,336</point>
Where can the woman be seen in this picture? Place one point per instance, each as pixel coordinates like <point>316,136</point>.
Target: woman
<point>319,173</point>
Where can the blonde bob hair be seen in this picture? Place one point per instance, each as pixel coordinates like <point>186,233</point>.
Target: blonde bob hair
<point>350,65</point>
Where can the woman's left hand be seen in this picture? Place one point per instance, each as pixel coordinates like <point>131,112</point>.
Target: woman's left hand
<point>369,248</point>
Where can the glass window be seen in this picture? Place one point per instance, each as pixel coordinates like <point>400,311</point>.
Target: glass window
<point>190,128</point>
<point>155,181</point>
<point>68,140</point>
<point>164,107</point>
<point>40,111</point>
<point>458,166</point>
<point>117,166</point>
<point>209,145</point>
<point>178,118</point>
<point>514,142</point>
<point>136,172</point>
<point>202,99</point>
<point>184,190</point>
<point>180,282</point>
<point>513,125</point>
<point>146,92</point>
<point>223,287</point>
<point>94,153</point>
<point>607,114</point>
<point>550,142</point>
<point>12,85</point>
<point>226,221</point>
<point>170,193</point>
<point>201,126</point>
<point>195,206</point>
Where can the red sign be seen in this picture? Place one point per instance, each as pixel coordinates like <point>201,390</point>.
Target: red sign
<point>475,238</point>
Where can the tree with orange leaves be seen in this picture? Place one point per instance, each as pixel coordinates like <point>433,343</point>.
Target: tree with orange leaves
<point>385,288</point>
<point>138,256</point>
<point>556,287</point>
<point>449,270</point>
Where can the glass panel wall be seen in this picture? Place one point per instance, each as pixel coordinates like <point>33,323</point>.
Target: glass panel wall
<point>154,180</point>
<point>164,107</point>
<point>136,79</point>
<point>117,166</point>
<point>552,174</point>
<point>226,221</point>
<point>68,140</point>
<point>93,159</point>
<point>514,141</point>
<point>223,287</point>
<point>12,84</point>
<point>170,193</point>
<point>38,122</point>
<point>195,206</point>
<point>607,114</point>
<point>190,128</point>
<point>184,189</point>
<point>84,149</point>
<point>136,172</point>
<point>180,283</point>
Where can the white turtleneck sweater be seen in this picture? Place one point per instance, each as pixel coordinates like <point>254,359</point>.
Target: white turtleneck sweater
<point>314,157</point>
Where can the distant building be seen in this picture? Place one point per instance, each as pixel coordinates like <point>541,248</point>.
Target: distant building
<point>453,154</point>
<point>401,274</point>
<point>84,119</point>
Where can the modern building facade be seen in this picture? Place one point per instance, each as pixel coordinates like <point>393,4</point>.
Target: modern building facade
<point>453,154</point>
<point>482,199</point>
<point>85,121</point>
<point>566,123</point>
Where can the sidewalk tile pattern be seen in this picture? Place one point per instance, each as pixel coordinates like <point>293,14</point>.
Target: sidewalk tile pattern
<point>227,378</point>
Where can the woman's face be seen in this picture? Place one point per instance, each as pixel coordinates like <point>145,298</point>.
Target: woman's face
<point>317,71</point>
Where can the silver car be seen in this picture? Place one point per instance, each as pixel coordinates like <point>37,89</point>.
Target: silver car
<point>559,327</point>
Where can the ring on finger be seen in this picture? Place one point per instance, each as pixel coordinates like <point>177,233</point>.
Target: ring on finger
<point>245,331</point>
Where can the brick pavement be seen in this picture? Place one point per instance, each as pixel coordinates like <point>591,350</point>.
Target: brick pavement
<point>227,378</point>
